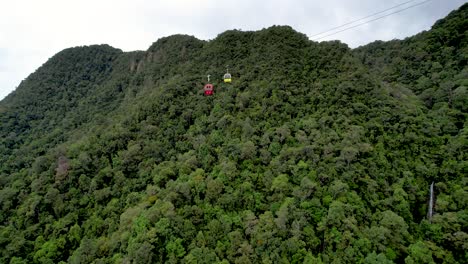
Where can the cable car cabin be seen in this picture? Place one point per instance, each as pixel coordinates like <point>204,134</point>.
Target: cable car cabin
<point>227,78</point>
<point>208,89</point>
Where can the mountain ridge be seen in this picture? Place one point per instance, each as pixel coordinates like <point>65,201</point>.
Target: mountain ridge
<point>316,153</point>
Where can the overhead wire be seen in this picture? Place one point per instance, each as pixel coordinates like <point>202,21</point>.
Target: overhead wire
<point>360,19</point>
<point>372,20</point>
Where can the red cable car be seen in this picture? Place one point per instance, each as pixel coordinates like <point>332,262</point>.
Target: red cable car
<point>208,88</point>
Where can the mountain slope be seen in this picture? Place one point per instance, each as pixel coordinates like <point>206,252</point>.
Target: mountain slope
<point>432,63</point>
<point>316,153</point>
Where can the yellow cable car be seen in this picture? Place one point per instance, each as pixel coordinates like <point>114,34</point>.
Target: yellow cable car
<point>227,76</point>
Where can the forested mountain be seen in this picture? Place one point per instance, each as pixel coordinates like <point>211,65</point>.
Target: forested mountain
<point>315,153</point>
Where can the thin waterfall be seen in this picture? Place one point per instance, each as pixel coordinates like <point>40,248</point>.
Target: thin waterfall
<point>431,201</point>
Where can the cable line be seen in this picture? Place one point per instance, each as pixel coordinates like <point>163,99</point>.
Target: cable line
<point>360,19</point>
<point>372,20</point>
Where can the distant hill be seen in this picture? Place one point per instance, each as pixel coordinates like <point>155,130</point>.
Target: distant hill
<point>315,153</point>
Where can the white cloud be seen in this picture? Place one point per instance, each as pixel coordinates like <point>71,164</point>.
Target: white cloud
<point>32,31</point>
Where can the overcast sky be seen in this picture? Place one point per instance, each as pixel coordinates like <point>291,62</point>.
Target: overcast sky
<point>31,31</point>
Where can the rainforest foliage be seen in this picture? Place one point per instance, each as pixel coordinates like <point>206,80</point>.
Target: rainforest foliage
<point>316,153</point>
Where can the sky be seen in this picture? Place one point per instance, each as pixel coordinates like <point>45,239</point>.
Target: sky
<point>32,31</point>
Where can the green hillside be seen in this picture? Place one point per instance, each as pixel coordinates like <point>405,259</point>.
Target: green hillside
<point>316,153</point>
